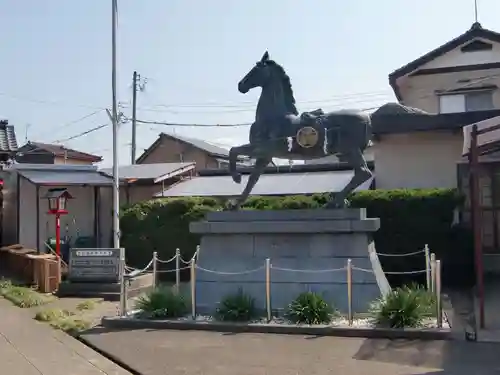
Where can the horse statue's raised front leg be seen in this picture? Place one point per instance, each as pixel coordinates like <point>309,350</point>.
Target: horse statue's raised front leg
<point>362,174</point>
<point>234,152</point>
<point>260,165</point>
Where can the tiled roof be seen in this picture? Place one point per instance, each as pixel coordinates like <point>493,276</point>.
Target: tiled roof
<point>207,147</point>
<point>61,151</point>
<point>201,144</point>
<point>150,171</point>
<point>8,141</point>
<point>269,184</point>
<point>476,31</point>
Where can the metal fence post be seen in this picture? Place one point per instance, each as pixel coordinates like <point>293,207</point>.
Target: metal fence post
<point>123,286</point>
<point>438,295</point>
<point>155,269</point>
<point>349,291</point>
<point>268,289</point>
<point>177,269</point>
<point>427,266</point>
<point>193,289</point>
<point>433,273</point>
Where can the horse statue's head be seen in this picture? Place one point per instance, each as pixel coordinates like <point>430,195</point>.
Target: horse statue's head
<point>259,76</point>
<point>271,77</point>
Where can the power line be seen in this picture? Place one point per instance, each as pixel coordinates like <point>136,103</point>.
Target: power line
<point>465,85</point>
<point>246,104</point>
<point>81,134</point>
<point>235,105</point>
<point>252,108</point>
<point>193,125</point>
<point>107,148</point>
<point>50,102</point>
<point>75,121</point>
<point>339,99</point>
<point>240,105</point>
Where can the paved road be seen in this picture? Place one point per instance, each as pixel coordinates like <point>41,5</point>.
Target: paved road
<point>28,347</point>
<point>207,353</point>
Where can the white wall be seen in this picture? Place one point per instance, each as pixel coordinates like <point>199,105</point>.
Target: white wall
<point>417,160</point>
<point>27,214</point>
<point>458,58</point>
<point>106,216</point>
<point>369,156</point>
<point>80,220</point>
<point>61,160</point>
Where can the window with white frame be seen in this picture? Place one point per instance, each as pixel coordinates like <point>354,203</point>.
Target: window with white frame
<point>466,101</point>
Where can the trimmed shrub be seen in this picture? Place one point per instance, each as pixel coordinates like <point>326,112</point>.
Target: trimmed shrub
<point>162,225</point>
<point>310,308</point>
<point>238,307</point>
<point>410,218</point>
<point>162,302</point>
<point>405,307</point>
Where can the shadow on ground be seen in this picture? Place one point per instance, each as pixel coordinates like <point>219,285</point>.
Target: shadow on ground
<point>453,357</point>
<point>152,350</point>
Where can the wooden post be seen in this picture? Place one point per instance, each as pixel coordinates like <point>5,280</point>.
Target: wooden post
<point>427,266</point>
<point>476,221</point>
<point>177,270</point>
<point>155,268</point>
<point>438,295</point>
<point>349,292</point>
<point>433,272</point>
<point>193,289</point>
<point>268,290</point>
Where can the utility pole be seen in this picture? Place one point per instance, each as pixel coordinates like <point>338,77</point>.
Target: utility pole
<point>134,113</point>
<point>114,119</point>
<point>138,84</point>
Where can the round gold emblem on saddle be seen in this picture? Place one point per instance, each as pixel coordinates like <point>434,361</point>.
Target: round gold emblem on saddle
<point>307,137</point>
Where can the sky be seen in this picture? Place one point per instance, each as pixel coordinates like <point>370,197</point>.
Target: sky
<point>56,60</point>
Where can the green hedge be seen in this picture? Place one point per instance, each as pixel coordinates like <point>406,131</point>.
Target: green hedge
<point>409,220</point>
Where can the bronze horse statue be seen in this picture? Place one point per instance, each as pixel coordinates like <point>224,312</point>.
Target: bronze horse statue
<point>279,131</point>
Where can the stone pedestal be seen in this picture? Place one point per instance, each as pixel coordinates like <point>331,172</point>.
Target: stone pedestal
<point>298,240</point>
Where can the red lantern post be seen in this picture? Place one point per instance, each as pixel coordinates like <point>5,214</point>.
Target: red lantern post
<point>57,199</point>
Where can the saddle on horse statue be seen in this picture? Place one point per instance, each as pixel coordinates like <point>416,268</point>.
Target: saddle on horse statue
<point>310,118</point>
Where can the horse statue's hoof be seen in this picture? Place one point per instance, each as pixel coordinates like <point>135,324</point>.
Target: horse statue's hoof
<point>237,178</point>
<point>338,204</point>
<point>231,206</point>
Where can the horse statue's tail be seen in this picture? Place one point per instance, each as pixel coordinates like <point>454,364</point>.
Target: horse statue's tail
<point>393,114</point>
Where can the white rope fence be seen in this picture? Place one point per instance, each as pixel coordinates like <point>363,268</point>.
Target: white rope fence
<point>432,271</point>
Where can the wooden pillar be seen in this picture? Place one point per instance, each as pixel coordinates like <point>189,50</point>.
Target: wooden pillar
<point>477,221</point>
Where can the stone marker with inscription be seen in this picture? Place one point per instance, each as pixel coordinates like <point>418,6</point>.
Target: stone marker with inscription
<point>94,265</point>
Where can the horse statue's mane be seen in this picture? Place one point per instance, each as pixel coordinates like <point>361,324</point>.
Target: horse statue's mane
<point>287,87</point>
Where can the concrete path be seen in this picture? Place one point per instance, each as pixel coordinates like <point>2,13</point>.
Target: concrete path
<point>492,303</point>
<point>153,352</point>
<point>28,347</point>
<point>491,333</point>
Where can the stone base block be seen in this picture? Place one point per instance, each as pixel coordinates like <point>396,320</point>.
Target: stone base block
<point>308,251</point>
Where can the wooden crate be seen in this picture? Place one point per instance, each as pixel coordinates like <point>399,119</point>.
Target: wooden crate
<point>19,264</point>
<point>46,272</point>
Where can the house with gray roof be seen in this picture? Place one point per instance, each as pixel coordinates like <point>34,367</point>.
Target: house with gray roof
<point>173,148</point>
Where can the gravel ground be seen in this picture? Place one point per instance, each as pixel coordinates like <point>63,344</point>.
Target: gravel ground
<point>336,322</point>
